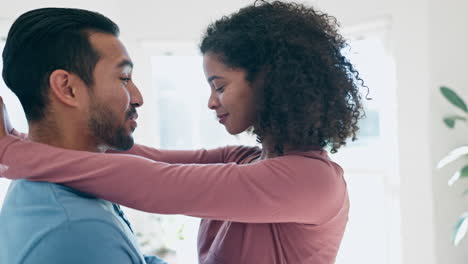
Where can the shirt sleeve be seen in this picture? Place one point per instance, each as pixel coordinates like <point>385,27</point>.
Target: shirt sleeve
<point>202,156</point>
<point>90,242</point>
<point>283,189</point>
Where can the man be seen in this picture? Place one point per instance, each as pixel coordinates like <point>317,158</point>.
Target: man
<point>72,76</point>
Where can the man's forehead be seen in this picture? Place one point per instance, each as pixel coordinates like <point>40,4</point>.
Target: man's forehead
<point>111,50</point>
<point>106,43</point>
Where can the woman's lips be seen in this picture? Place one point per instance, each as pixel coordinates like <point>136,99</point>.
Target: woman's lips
<point>222,118</point>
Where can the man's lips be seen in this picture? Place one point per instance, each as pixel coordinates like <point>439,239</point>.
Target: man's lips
<point>133,117</point>
<point>132,114</point>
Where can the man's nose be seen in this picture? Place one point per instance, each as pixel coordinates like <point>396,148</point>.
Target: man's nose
<point>136,99</point>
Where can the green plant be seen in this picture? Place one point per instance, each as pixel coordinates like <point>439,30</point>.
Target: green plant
<point>461,226</point>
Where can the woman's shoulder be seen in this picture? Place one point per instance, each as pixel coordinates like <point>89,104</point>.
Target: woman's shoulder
<point>312,157</point>
<point>306,163</point>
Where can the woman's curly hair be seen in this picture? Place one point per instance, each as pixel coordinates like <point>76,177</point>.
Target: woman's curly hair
<point>309,95</point>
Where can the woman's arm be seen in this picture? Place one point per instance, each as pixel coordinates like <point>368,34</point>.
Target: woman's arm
<point>202,156</point>
<point>268,191</point>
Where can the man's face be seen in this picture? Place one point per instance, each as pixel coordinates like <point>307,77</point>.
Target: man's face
<point>113,96</point>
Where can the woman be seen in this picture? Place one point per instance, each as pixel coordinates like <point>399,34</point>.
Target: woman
<point>275,69</point>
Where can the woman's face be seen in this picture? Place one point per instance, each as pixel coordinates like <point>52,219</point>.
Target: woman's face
<point>232,96</point>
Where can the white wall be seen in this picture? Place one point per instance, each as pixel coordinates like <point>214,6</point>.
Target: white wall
<point>448,45</point>
<point>429,43</point>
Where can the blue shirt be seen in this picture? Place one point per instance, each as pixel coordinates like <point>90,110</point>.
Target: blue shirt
<point>49,223</point>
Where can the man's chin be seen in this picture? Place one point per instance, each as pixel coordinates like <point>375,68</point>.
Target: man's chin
<point>128,144</point>
<point>122,142</point>
<point>122,147</point>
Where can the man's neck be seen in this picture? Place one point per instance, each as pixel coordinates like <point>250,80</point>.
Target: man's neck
<point>63,137</point>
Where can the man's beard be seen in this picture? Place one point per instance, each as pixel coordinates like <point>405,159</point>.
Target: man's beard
<point>103,125</point>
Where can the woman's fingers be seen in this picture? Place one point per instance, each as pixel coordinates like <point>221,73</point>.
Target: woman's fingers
<point>5,125</point>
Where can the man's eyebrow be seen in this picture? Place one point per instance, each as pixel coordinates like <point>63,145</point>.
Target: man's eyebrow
<point>125,63</point>
<point>212,78</point>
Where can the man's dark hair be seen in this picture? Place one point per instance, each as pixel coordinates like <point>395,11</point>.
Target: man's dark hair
<point>44,40</point>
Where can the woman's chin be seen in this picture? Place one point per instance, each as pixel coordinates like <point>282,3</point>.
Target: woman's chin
<point>234,131</point>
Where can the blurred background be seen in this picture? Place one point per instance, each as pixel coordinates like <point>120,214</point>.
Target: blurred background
<point>402,211</point>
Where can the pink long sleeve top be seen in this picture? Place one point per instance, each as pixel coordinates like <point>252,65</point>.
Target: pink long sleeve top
<point>290,209</point>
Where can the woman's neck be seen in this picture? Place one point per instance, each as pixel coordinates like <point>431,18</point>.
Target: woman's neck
<point>268,149</point>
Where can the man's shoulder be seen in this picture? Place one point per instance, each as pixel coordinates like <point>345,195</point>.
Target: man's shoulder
<point>35,211</point>
<point>53,202</point>
<point>74,242</point>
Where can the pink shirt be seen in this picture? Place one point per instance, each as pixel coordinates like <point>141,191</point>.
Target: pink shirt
<point>289,209</point>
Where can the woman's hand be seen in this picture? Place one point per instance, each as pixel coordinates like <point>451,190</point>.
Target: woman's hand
<point>5,125</point>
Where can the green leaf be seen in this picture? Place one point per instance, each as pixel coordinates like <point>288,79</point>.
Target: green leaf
<point>465,192</point>
<point>450,120</point>
<point>460,229</point>
<point>453,98</point>
<point>453,155</point>
<point>463,173</point>
<point>180,232</point>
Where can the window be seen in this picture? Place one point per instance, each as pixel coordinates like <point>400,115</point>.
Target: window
<point>184,122</point>
<point>370,164</point>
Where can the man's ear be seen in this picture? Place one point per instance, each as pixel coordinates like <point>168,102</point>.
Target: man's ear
<point>65,86</point>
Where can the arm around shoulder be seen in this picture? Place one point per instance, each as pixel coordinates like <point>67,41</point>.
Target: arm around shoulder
<point>201,156</point>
